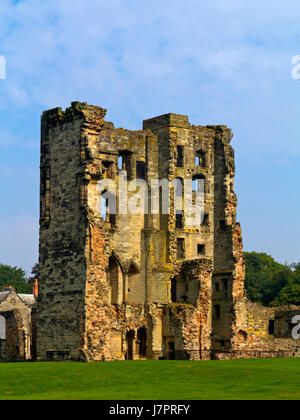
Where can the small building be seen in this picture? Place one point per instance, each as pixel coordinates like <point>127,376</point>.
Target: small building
<point>17,325</point>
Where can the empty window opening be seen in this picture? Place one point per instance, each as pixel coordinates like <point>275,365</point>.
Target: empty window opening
<point>140,170</point>
<point>121,163</point>
<point>109,168</point>
<point>178,289</point>
<point>142,341</point>
<point>201,249</point>
<point>198,183</point>
<point>179,157</point>
<point>179,221</point>
<point>180,248</point>
<point>108,207</point>
<point>217,287</point>
<point>125,162</point>
<point>201,158</point>
<point>217,312</point>
<point>225,284</point>
<point>271,328</point>
<point>104,208</point>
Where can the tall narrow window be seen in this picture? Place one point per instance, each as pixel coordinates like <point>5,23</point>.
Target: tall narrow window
<point>121,162</point>
<point>179,221</point>
<point>179,157</point>
<point>217,312</point>
<point>140,170</point>
<point>125,162</point>
<point>180,248</point>
<point>104,208</point>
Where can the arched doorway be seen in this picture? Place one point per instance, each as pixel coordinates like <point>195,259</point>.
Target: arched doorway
<point>129,339</point>
<point>142,342</point>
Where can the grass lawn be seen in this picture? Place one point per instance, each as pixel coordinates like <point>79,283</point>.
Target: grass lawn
<point>157,380</point>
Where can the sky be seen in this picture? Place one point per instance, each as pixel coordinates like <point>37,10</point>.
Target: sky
<point>219,62</point>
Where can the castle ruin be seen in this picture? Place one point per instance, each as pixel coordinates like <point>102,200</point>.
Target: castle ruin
<point>143,286</point>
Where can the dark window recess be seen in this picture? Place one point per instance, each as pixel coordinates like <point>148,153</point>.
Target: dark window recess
<point>142,341</point>
<point>109,168</point>
<point>179,157</point>
<point>271,328</point>
<point>206,220</point>
<point>140,170</point>
<point>222,225</point>
<point>112,220</point>
<point>179,221</point>
<point>217,312</point>
<point>173,289</point>
<point>180,248</point>
<point>225,284</point>
<point>201,158</point>
<point>201,249</point>
<point>217,287</point>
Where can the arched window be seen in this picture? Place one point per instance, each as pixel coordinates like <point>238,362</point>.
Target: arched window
<point>133,282</point>
<point>116,281</point>
<point>2,328</point>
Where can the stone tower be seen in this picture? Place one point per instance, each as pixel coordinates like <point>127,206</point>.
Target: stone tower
<point>135,286</point>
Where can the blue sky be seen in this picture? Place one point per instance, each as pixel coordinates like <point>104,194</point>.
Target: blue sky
<point>220,62</point>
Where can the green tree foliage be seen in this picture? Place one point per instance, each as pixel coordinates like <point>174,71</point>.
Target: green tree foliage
<point>15,277</point>
<point>269,282</point>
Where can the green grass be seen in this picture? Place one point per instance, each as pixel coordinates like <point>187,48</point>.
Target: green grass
<point>157,380</point>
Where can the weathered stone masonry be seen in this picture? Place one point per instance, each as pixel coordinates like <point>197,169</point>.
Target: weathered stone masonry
<point>138,286</point>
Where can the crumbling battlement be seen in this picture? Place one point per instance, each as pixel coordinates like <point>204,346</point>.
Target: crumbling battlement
<point>145,285</point>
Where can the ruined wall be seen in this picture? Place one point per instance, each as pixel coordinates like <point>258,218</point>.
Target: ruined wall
<point>17,344</point>
<point>129,286</point>
<point>63,225</point>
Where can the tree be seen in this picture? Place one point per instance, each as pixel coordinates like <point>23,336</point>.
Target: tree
<point>265,278</point>
<point>15,277</point>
